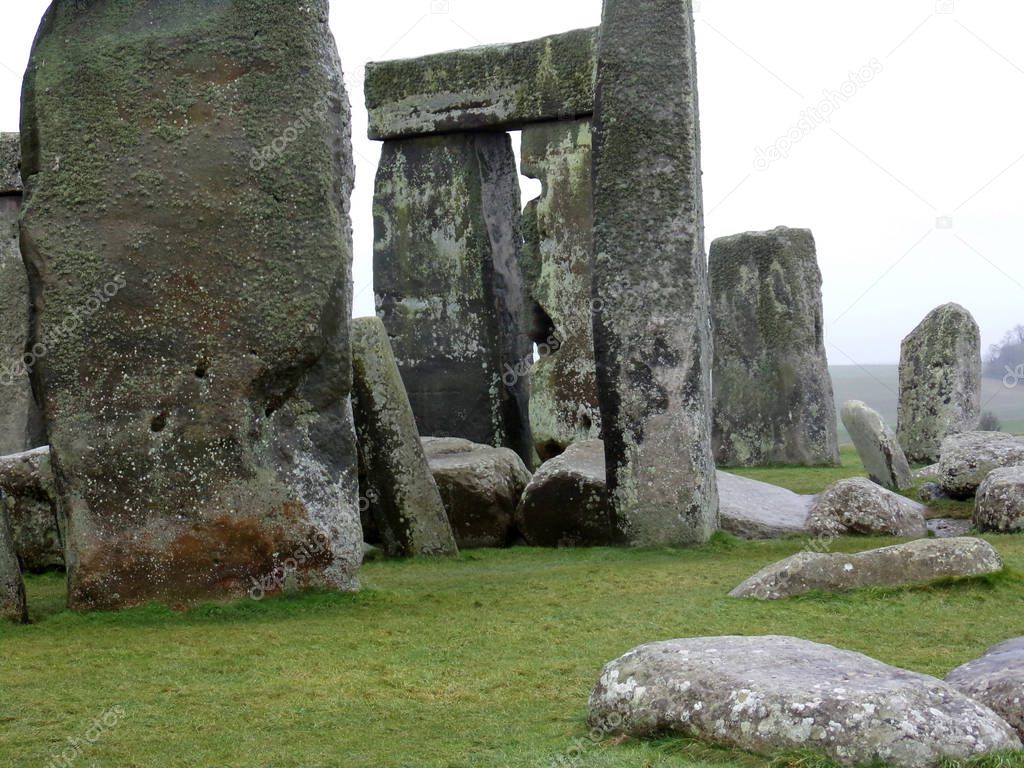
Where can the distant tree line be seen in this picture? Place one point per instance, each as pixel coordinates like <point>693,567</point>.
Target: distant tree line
<point>1007,356</point>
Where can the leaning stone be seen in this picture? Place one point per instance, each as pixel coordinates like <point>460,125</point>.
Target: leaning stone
<point>772,694</point>
<point>13,606</point>
<point>403,496</point>
<point>27,481</point>
<point>915,563</point>
<point>652,334</point>
<point>481,487</point>
<point>773,401</point>
<point>751,509</point>
<point>996,680</point>
<point>448,285</point>
<point>859,506</point>
<point>968,458</point>
<point>491,87</point>
<point>877,446</point>
<point>999,506</point>
<point>187,217</point>
<point>558,228</point>
<point>940,381</point>
<point>566,502</point>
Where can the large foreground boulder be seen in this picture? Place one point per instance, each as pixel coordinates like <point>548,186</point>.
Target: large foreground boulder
<point>859,506</point>
<point>27,481</point>
<point>767,694</point>
<point>997,681</point>
<point>566,502</point>
<point>751,509</point>
<point>188,168</point>
<point>968,458</point>
<point>13,606</point>
<point>999,506</point>
<point>481,487</point>
<point>877,446</point>
<point>915,563</point>
<point>940,381</point>
<point>395,477</point>
<point>773,401</point>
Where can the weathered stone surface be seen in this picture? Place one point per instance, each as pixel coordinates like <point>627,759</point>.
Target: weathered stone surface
<point>566,503</point>
<point>494,86</point>
<point>859,506</point>
<point>751,509</point>
<point>948,528</point>
<point>481,487</point>
<point>13,606</point>
<point>198,402</point>
<point>10,164</point>
<point>996,680</point>
<point>877,446</point>
<point>27,481</point>
<point>396,478</point>
<point>916,562</point>
<point>448,285</point>
<point>999,506</point>
<point>768,694</point>
<point>558,228</point>
<point>773,401</point>
<point>930,472</point>
<point>652,333</point>
<point>940,381</point>
<point>968,458</point>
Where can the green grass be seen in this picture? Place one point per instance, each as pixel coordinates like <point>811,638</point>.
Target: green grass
<point>484,660</point>
<point>807,479</point>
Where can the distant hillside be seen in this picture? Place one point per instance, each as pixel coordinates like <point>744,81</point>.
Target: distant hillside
<point>878,386</point>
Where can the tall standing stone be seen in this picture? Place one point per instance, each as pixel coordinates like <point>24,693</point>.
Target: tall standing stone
<point>651,327</point>
<point>940,381</point>
<point>773,401</point>
<point>398,486</point>
<point>20,424</point>
<point>13,606</point>
<point>188,170</point>
<point>448,285</point>
<point>558,228</point>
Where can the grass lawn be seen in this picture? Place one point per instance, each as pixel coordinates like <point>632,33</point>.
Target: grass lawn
<point>484,660</point>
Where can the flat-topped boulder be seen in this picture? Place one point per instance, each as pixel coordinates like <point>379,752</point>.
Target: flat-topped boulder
<point>859,506</point>
<point>968,458</point>
<point>940,381</point>
<point>915,563</point>
<point>772,694</point>
<point>997,681</point>
<point>490,87</point>
<point>751,509</point>
<point>26,479</point>
<point>999,505</point>
<point>877,447</point>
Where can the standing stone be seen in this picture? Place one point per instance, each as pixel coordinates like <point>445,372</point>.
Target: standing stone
<point>651,331</point>
<point>197,379</point>
<point>448,286</point>
<point>20,424</point>
<point>402,495</point>
<point>13,606</point>
<point>26,479</point>
<point>773,401</point>
<point>940,381</point>
<point>558,229</point>
<point>877,446</point>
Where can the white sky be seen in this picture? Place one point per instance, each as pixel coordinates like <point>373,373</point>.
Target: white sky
<point>938,132</point>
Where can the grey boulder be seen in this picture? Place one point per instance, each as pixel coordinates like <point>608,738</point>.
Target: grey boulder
<point>914,563</point>
<point>999,506</point>
<point>877,446</point>
<point>751,509</point>
<point>27,481</point>
<point>858,506</point>
<point>481,486</point>
<point>766,694</point>
<point>968,458</point>
<point>997,681</point>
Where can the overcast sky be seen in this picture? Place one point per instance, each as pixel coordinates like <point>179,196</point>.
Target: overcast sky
<point>908,162</point>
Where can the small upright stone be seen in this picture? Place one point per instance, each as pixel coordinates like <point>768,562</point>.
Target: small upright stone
<point>13,606</point>
<point>558,229</point>
<point>652,333</point>
<point>400,490</point>
<point>877,446</point>
<point>940,381</point>
<point>773,401</point>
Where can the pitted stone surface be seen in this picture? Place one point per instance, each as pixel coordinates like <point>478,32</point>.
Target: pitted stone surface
<point>27,481</point>
<point>968,458</point>
<point>999,506</point>
<point>876,444</point>
<point>10,164</point>
<point>997,681</point>
<point>768,694</point>
<point>859,506</point>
